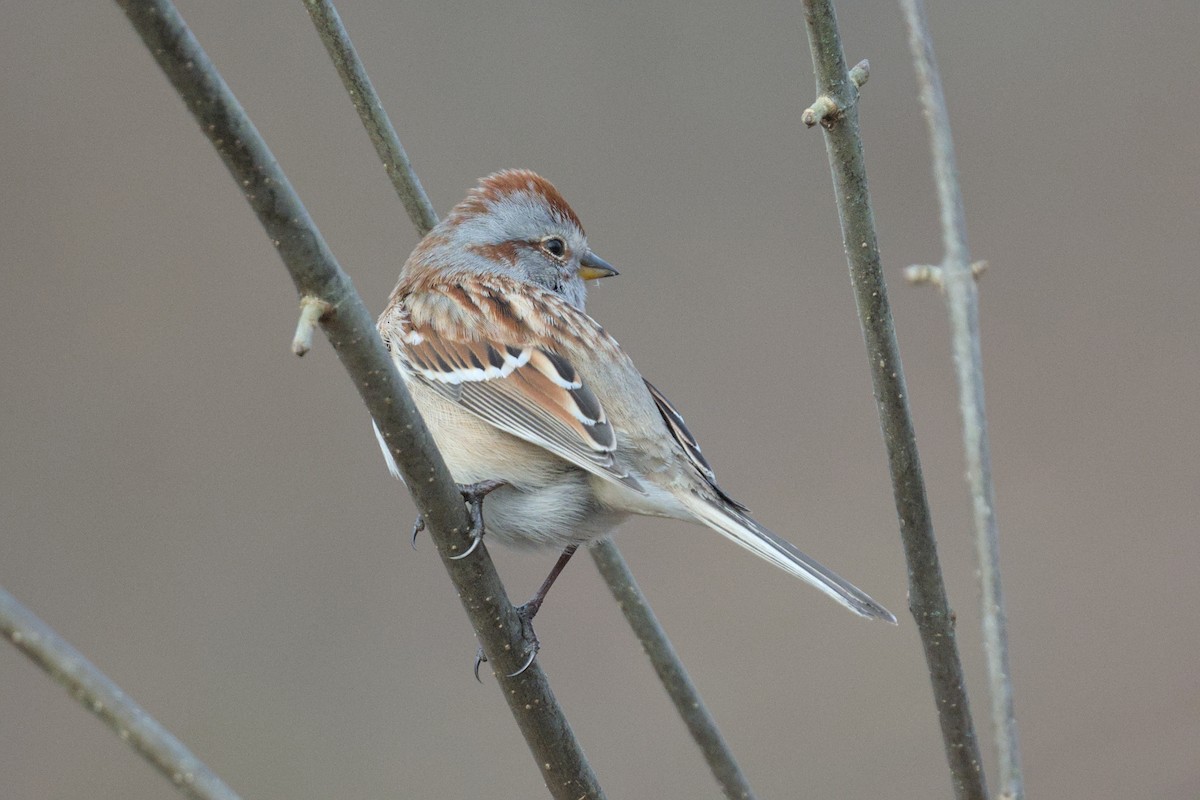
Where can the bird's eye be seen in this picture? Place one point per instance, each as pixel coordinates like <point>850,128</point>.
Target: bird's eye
<point>554,246</point>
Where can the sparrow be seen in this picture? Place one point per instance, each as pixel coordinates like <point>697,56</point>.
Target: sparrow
<point>532,402</point>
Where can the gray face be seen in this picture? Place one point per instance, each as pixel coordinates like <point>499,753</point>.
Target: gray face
<point>522,236</point>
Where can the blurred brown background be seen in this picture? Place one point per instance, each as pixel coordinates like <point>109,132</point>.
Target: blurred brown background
<point>209,520</point>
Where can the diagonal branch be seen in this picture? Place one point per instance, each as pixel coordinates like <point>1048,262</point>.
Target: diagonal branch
<point>608,558</point>
<point>962,302</point>
<point>93,689</point>
<point>674,676</point>
<point>351,331</point>
<point>370,110</point>
<point>927,591</point>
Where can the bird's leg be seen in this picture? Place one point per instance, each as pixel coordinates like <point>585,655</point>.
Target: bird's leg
<point>472,494</point>
<point>529,610</point>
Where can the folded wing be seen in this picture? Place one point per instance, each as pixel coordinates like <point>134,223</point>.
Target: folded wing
<point>519,382</point>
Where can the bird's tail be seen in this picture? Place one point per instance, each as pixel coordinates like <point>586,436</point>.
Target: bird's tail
<point>766,545</point>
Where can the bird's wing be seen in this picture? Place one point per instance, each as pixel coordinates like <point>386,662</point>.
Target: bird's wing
<point>512,375</point>
<point>679,430</point>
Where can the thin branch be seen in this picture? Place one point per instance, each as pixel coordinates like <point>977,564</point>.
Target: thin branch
<point>958,278</point>
<point>351,331</point>
<point>611,563</point>
<point>99,695</point>
<point>670,670</point>
<point>370,110</point>
<point>927,592</point>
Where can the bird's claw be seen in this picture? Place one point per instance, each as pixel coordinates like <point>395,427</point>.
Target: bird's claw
<point>473,494</point>
<point>476,537</point>
<point>418,526</point>
<point>480,657</point>
<point>528,663</point>
<point>525,615</point>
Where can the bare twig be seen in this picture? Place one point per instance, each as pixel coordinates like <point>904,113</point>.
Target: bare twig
<point>931,274</point>
<point>370,110</point>
<point>826,107</point>
<point>351,331</point>
<point>670,670</point>
<point>962,302</point>
<point>927,592</point>
<point>99,695</point>
<point>609,560</point>
<point>311,311</point>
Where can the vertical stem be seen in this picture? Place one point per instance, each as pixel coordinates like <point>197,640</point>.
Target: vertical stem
<point>927,593</point>
<point>962,303</point>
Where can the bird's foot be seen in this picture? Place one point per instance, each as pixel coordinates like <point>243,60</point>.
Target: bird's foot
<point>472,494</point>
<point>481,658</point>
<point>525,614</point>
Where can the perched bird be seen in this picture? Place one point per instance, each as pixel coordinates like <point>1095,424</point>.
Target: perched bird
<point>528,397</point>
